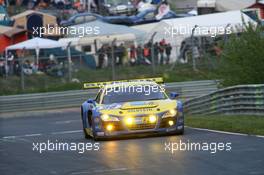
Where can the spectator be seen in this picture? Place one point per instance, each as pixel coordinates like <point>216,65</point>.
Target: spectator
<point>146,54</point>
<point>108,52</point>
<point>88,5</point>
<point>2,2</point>
<point>140,56</point>
<point>217,49</point>
<point>2,67</point>
<point>101,56</point>
<point>168,49</point>
<point>156,53</point>
<point>161,52</point>
<point>10,61</point>
<point>133,55</point>
<point>17,68</point>
<point>121,53</point>
<point>60,4</point>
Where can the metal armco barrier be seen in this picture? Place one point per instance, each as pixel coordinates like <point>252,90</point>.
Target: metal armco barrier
<point>66,99</point>
<point>237,100</point>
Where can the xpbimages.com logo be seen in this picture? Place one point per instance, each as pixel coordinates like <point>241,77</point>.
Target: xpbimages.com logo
<point>213,147</point>
<point>79,31</point>
<point>145,89</point>
<point>176,30</point>
<point>50,146</point>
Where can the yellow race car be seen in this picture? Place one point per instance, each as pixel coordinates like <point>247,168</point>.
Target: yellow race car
<point>131,107</point>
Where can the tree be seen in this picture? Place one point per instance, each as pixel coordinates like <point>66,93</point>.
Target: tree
<point>243,58</point>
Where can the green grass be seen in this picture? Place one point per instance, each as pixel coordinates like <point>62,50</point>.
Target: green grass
<point>240,124</point>
<point>45,83</point>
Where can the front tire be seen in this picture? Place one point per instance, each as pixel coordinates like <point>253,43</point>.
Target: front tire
<point>180,132</point>
<point>86,135</point>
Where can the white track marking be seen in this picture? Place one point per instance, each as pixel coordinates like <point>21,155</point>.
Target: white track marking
<point>10,137</point>
<point>66,132</point>
<point>19,136</point>
<point>100,171</point>
<point>32,135</point>
<point>224,132</point>
<point>39,134</point>
<point>66,122</point>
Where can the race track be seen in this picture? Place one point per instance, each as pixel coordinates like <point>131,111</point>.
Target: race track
<point>131,156</point>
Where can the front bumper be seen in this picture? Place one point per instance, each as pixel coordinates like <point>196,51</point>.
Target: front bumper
<point>158,129</point>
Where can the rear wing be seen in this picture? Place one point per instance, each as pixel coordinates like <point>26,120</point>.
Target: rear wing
<point>97,85</point>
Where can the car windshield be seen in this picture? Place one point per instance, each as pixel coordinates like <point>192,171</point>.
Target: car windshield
<point>116,2</point>
<point>129,94</point>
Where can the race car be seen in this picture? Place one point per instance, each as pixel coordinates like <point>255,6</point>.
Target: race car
<point>131,108</point>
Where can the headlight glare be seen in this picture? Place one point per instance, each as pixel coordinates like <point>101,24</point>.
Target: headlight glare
<point>108,118</point>
<point>170,113</point>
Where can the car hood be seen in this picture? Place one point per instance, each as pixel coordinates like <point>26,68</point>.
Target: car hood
<point>137,108</point>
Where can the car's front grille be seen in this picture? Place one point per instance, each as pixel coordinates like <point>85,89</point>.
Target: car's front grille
<point>142,126</point>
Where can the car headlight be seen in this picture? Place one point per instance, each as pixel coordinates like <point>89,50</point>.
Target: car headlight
<point>170,113</point>
<point>108,118</point>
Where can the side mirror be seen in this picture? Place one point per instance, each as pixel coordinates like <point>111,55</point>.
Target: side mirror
<point>91,101</point>
<point>173,95</point>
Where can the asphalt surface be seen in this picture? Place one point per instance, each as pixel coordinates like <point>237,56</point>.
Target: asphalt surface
<point>130,156</point>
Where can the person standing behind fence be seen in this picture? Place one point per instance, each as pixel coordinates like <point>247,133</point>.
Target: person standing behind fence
<point>132,55</point>
<point>161,51</point>
<point>168,49</point>
<point>146,54</point>
<point>121,53</point>
<point>101,55</point>
<point>139,54</point>
<point>156,53</point>
<point>10,61</point>
<point>108,52</point>
<point>2,66</point>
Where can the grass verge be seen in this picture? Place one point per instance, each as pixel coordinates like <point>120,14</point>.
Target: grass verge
<point>240,124</point>
<point>45,83</point>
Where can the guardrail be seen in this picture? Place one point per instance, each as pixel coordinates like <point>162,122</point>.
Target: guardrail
<point>237,100</point>
<point>56,100</point>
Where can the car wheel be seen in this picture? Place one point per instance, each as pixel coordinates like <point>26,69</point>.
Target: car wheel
<point>180,132</point>
<point>94,137</point>
<point>86,135</point>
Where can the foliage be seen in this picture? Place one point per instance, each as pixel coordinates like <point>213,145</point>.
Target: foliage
<point>243,58</point>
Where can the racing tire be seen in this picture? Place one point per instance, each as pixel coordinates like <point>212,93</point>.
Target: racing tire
<point>86,135</point>
<point>180,132</point>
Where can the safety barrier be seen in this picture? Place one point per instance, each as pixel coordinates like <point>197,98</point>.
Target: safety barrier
<point>56,100</point>
<point>237,100</point>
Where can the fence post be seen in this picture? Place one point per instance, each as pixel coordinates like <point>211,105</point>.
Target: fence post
<point>113,59</point>
<point>22,72</point>
<point>152,53</point>
<point>192,41</point>
<point>69,62</point>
